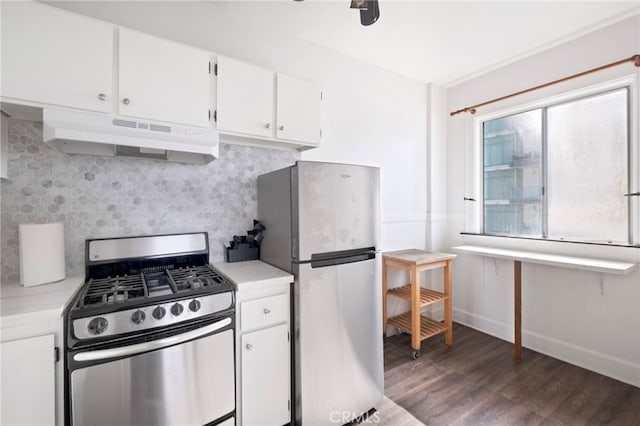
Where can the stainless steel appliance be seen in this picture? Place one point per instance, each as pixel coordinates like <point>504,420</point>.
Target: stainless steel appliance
<point>150,337</point>
<point>322,224</point>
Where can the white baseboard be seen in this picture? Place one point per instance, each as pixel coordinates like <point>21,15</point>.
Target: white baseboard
<point>604,364</point>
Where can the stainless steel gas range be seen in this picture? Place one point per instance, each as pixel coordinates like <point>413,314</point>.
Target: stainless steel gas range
<point>150,337</point>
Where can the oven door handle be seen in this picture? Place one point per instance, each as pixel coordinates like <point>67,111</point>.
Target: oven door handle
<point>137,348</point>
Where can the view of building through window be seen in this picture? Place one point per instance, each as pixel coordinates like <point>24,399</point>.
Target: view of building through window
<point>557,171</point>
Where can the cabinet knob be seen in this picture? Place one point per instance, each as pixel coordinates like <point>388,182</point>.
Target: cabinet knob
<point>267,311</point>
<point>249,346</point>
<point>126,101</point>
<point>267,126</point>
<point>102,97</point>
<point>281,127</point>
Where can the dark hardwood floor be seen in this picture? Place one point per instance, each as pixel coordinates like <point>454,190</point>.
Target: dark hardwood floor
<point>476,382</point>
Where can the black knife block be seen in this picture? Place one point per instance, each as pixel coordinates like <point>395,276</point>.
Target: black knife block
<point>242,252</point>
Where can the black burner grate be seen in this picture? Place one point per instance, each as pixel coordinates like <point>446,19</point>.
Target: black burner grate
<point>195,278</point>
<point>113,289</point>
<point>160,282</point>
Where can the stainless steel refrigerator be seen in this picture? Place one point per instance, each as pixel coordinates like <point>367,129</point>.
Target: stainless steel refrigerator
<point>322,224</point>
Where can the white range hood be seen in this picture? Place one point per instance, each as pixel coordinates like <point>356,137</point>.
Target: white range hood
<point>95,134</point>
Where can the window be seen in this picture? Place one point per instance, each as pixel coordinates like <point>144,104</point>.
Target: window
<point>560,171</point>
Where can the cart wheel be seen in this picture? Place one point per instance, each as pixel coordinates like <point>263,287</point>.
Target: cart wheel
<point>416,354</point>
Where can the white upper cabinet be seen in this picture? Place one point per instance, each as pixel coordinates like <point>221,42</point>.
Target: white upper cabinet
<point>55,57</point>
<point>277,109</point>
<point>245,98</point>
<point>298,109</point>
<point>162,80</point>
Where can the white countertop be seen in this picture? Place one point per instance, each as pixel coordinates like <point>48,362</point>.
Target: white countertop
<point>253,272</point>
<point>21,305</point>
<point>587,264</point>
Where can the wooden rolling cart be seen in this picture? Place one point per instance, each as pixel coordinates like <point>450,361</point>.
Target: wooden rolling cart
<point>419,326</point>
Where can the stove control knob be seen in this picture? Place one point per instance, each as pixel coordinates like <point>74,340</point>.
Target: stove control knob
<point>194,305</point>
<point>158,313</point>
<point>177,309</point>
<point>98,326</point>
<point>138,316</point>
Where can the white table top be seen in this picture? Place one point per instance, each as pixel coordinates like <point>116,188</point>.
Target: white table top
<point>252,272</point>
<point>418,257</point>
<point>584,263</point>
<point>22,305</point>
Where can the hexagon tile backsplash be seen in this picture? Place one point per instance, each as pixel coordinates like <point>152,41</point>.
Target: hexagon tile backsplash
<point>104,197</point>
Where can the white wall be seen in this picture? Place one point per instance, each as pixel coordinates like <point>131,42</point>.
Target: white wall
<point>369,116</point>
<point>585,318</point>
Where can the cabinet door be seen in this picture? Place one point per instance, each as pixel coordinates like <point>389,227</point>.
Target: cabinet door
<point>56,57</point>
<point>298,109</point>
<point>266,377</point>
<point>163,80</point>
<point>28,382</point>
<point>245,98</point>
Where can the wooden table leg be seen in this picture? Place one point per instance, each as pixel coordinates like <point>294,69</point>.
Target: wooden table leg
<point>384,297</point>
<point>517,307</point>
<point>415,308</point>
<point>448,305</point>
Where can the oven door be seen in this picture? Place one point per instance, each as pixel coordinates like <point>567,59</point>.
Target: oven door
<point>183,379</point>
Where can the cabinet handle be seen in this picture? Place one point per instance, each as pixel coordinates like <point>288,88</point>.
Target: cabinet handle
<point>126,101</point>
<point>267,126</point>
<point>281,127</point>
<point>267,311</point>
<point>249,346</point>
<point>102,97</point>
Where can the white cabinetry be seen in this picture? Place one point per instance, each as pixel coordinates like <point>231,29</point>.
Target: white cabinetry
<point>52,57</point>
<point>298,109</point>
<point>266,376</point>
<point>31,327</point>
<point>254,102</point>
<point>245,98</point>
<point>265,358</point>
<point>162,80</point>
<point>55,57</point>
<point>28,381</point>
<point>263,346</point>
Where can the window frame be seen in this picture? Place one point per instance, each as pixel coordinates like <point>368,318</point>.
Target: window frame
<point>474,212</point>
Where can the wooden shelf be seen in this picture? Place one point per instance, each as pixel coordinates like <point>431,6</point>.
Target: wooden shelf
<point>428,327</point>
<point>416,261</point>
<point>427,296</point>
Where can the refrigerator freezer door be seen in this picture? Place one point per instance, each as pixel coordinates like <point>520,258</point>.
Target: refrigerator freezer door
<point>339,358</point>
<point>337,207</point>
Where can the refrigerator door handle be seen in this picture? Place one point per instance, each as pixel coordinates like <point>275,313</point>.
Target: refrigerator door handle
<point>340,258</point>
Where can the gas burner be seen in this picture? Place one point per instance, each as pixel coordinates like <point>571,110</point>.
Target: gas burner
<point>116,297</point>
<point>197,283</point>
<point>142,283</point>
<point>195,278</point>
<point>112,290</point>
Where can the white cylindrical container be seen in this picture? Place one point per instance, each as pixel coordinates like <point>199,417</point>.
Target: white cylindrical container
<point>41,253</point>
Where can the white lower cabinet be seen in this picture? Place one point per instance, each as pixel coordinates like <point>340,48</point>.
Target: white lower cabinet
<point>266,376</point>
<point>28,381</point>
<point>263,345</point>
<point>263,356</point>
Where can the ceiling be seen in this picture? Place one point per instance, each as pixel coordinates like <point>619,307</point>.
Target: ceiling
<point>440,42</point>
